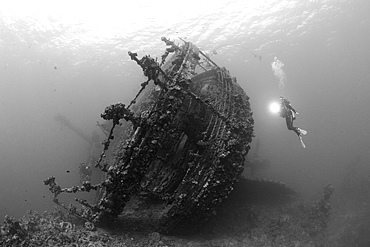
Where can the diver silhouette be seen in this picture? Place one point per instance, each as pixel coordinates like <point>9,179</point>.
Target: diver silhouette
<point>289,113</point>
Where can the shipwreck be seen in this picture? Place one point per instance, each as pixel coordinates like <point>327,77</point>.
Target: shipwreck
<point>178,147</point>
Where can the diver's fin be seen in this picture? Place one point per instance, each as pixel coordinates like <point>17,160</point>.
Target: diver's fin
<point>303,132</point>
<point>300,138</point>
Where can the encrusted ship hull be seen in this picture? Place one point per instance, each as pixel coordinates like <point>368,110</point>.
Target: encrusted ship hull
<point>179,150</point>
<point>187,146</point>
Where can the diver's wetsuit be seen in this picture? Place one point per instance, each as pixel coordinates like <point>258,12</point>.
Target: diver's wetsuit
<point>287,112</point>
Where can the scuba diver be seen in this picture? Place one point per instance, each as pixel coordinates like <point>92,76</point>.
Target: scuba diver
<point>289,113</point>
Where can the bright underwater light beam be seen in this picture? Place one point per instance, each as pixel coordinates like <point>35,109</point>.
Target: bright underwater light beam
<point>274,107</point>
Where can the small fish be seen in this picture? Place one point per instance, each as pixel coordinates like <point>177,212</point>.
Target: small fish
<point>68,171</point>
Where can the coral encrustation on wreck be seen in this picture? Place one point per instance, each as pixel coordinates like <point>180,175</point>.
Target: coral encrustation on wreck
<point>182,147</point>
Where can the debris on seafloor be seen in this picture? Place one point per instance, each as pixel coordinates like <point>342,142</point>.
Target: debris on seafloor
<point>181,148</point>
<point>257,213</point>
